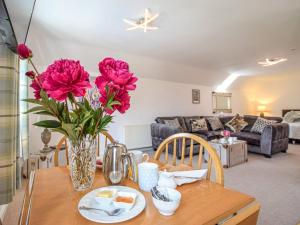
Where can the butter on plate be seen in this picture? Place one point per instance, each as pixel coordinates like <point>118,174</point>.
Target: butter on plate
<point>105,194</point>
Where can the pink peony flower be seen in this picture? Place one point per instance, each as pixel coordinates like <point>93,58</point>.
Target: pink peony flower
<point>37,85</point>
<point>115,76</point>
<point>121,96</point>
<point>24,52</point>
<point>117,72</point>
<point>30,74</point>
<point>65,77</point>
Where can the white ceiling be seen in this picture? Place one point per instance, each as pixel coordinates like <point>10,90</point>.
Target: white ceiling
<point>200,41</point>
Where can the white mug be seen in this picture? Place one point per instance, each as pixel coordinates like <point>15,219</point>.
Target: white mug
<point>139,156</point>
<point>147,175</point>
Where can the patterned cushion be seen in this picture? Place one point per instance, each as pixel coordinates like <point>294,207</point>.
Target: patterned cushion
<point>215,123</point>
<point>199,125</point>
<point>237,123</point>
<point>260,125</point>
<point>173,123</point>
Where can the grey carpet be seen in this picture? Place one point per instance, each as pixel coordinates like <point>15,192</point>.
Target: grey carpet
<point>275,183</point>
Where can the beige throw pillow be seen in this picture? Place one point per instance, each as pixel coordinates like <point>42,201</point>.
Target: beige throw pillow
<point>237,123</point>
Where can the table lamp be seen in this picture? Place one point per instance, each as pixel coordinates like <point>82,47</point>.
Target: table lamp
<point>261,109</point>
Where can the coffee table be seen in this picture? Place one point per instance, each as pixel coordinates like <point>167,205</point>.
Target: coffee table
<point>231,153</point>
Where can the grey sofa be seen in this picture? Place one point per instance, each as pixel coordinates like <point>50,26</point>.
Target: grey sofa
<point>273,139</point>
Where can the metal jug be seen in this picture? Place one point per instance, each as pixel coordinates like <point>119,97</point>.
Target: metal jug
<point>116,162</point>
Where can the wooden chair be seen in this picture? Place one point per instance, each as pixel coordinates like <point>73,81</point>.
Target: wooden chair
<point>182,138</point>
<point>63,141</point>
<point>26,206</point>
<point>247,216</point>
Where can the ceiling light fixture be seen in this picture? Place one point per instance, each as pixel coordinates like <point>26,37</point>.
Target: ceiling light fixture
<point>142,23</point>
<point>271,62</point>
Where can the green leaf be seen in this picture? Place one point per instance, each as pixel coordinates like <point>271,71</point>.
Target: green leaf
<point>44,112</point>
<point>68,127</point>
<point>34,109</point>
<point>60,130</point>
<point>48,124</point>
<point>33,100</point>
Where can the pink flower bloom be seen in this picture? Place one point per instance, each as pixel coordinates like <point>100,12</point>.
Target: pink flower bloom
<point>24,52</point>
<point>36,85</point>
<point>121,96</point>
<point>30,74</point>
<point>116,77</point>
<point>226,133</point>
<point>117,72</point>
<point>65,77</point>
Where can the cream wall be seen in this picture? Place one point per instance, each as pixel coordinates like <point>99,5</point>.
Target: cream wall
<point>276,92</point>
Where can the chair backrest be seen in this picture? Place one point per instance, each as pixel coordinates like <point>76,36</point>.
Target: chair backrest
<point>247,216</point>
<point>63,141</point>
<point>178,143</point>
<point>26,206</point>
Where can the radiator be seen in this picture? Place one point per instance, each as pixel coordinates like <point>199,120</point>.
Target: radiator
<point>137,136</point>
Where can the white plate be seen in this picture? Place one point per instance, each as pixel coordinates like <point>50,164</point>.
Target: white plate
<point>102,217</point>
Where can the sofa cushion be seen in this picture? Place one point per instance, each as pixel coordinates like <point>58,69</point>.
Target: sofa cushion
<point>250,120</point>
<point>209,134</point>
<point>198,125</point>
<point>250,138</point>
<point>187,121</point>
<point>180,120</point>
<point>173,123</point>
<point>237,123</point>
<point>215,123</point>
<point>260,125</point>
<point>225,119</point>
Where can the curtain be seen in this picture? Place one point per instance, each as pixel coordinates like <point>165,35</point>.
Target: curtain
<point>10,170</point>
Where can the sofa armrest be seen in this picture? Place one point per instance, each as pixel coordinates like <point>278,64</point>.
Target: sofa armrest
<point>274,138</point>
<point>163,131</point>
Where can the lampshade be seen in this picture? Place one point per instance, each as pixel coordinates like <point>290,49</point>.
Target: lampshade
<point>261,108</point>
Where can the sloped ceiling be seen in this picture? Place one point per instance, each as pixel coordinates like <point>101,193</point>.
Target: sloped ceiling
<point>199,41</point>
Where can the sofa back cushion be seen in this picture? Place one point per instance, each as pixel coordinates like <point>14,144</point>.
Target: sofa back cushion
<point>215,123</point>
<point>173,123</point>
<point>225,119</point>
<point>179,118</point>
<point>250,120</point>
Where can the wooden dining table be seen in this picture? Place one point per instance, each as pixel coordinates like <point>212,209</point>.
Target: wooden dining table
<point>54,202</point>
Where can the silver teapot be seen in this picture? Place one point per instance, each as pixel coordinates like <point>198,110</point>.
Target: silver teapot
<point>116,163</point>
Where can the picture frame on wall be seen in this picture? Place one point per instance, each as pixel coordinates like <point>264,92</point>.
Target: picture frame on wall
<point>196,96</point>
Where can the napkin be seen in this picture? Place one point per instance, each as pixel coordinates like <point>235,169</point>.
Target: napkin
<point>185,177</point>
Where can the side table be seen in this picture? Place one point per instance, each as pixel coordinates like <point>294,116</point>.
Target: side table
<point>231,154</point>
<point>37,157</point>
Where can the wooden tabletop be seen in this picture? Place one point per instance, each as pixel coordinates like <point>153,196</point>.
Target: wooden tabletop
<point>54,202</point>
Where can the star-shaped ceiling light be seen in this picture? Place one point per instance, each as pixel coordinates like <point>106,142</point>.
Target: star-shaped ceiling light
<point>142,23</point>
<point>271,62</point>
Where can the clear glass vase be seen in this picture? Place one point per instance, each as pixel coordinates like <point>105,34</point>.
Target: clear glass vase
<point>82,163</point>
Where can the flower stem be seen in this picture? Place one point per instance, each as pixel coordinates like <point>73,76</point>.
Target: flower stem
<point>33,66</point>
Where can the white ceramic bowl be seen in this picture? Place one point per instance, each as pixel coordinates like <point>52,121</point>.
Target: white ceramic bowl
<point>167,208</point>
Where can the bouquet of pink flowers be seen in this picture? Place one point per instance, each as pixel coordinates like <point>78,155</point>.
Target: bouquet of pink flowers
<point>57,88</point>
